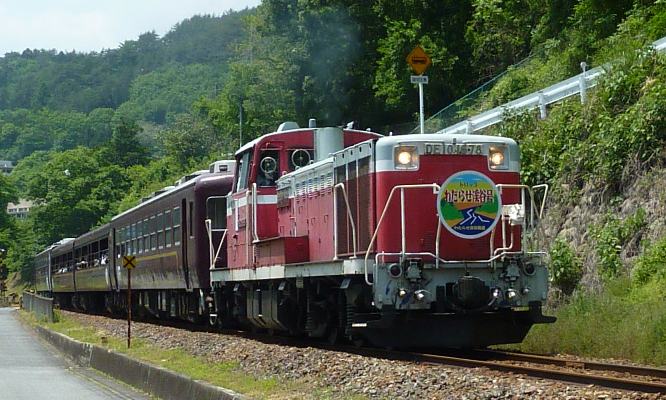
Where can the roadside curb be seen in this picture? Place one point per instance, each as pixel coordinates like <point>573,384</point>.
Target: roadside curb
<point>157,381</point>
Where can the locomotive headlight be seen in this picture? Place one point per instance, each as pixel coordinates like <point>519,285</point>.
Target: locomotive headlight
<point>395,270</point>
<point>497,157</point>
<point>406,157</point>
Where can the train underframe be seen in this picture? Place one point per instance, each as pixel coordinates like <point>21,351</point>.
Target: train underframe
<point>335,308</point>
<point>146,304</point>
<point>331,308</point>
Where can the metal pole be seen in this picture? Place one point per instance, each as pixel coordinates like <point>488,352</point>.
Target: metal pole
<point>240,123</point>
<point>129,307</point>
<point>421,122</point>
<point>583,83</point>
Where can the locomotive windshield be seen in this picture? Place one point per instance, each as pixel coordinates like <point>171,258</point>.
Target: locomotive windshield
<point>269,168</point>
<point>299,158</point>
<point>243,171</point>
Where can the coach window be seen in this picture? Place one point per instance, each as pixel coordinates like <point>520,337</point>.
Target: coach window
<point>77,257</point>
<point>176,226</point>
<point>146,235</point>
<point>117,242</point>
<point>160,231</point>
<point>126,240</point>
<point>139,238</point>
<point>133,239</point>
<point>216,212</point>
<point>243,171</point>
<point>153,235</point>
<point>123,246</point>
<point>167,228</point>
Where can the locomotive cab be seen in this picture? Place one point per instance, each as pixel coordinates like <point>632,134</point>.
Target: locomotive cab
<point>255,236</point>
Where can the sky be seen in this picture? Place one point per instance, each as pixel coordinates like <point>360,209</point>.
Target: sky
<point>93,25</point>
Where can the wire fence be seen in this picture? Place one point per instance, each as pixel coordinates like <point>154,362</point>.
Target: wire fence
<point>455,118</point>
<point>457,111</point>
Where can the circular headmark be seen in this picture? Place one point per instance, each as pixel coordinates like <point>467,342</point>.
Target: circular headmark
<point>469,204</point>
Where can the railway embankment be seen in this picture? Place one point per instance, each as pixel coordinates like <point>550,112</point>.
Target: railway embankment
<point>605,225</point>
<point>266,369</point>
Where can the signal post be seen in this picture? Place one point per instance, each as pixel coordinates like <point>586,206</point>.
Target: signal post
<point>419,61</point>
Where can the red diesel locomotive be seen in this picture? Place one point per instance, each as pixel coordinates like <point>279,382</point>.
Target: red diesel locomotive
<point>414,240</point>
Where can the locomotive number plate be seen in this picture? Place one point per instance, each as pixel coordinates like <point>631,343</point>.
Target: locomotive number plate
<point>449,148</point>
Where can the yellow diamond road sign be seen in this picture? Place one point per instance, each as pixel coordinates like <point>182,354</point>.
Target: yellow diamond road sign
<point>129,262</point>
<point>419,60</point>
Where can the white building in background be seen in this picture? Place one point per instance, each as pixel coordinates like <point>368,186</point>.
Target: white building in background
<point>6,167</point>
<point>20,210</point>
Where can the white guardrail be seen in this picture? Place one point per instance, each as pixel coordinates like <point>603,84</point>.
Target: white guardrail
<point>552,94</point>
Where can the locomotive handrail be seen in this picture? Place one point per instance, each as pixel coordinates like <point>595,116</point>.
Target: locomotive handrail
<point>435,187</point>
<point>335,219</point>
<point>209,231</point>
<point>248,225</point>
<point>255,236</point>
<point>545,188</point>
<point>522,188</point>
<point>503,251</point>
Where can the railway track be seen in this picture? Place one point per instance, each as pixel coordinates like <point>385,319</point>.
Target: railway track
<point>606,375</point>
<point>613,376</point>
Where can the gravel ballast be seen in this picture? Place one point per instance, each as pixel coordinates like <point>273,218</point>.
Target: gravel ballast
<point>342,375</point>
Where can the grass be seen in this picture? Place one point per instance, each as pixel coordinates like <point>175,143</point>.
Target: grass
<point>624,321</point>
<point>224,374</point>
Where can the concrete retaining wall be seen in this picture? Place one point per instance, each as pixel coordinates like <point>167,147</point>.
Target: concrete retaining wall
<point>152,379</point>
<point>42,307</point>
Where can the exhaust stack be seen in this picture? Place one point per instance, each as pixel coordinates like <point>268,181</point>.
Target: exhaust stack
<point>327,141</point>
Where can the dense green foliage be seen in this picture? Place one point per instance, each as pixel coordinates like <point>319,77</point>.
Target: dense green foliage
<point>7,194</point>
<point>611,237</point>
<point>651,264</point>
<point>565,266</point>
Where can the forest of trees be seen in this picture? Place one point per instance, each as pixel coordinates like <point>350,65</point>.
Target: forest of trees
<point>93,132</point>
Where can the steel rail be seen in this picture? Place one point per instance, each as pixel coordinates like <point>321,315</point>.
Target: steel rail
<point>546,373</point>
<point>581,364</point>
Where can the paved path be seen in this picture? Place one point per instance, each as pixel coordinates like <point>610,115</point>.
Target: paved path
<point>31,369</point>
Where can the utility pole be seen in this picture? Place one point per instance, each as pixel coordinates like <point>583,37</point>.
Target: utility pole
<point>240,122</point>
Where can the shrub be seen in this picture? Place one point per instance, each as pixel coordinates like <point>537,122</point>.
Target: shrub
<point>611,236</point>
<point>651,263</point>
<point>565,267</point>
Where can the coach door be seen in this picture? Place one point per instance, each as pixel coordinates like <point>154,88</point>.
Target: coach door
<point>186,214</point>
<point>113,259</point>
<point>216,228</point>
